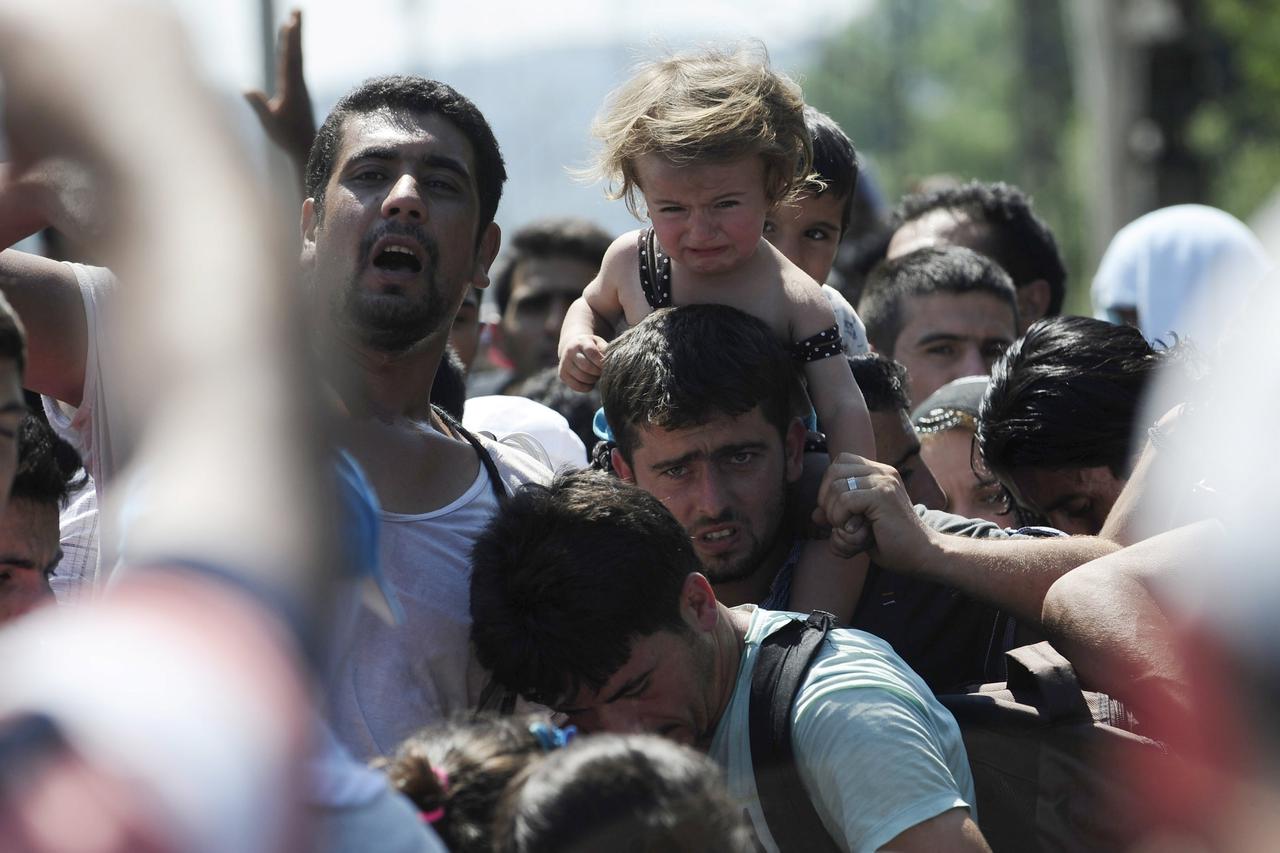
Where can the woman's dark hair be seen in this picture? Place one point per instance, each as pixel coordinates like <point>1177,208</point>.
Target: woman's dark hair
<point>638,793</point>
<point>456,773</point>
<point>1066,395</point>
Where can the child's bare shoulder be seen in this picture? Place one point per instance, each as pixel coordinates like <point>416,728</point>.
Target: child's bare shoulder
<point>619,265</point>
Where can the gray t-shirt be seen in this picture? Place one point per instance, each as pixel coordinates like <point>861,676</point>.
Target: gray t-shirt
<point>875,751</point>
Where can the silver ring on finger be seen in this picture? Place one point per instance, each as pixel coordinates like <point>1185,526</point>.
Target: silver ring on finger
<point>851,483</point>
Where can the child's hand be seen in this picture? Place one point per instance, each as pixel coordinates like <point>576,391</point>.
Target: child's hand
<point>582,361</point>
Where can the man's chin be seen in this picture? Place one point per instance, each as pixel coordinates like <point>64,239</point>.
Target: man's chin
<point>721,569</point>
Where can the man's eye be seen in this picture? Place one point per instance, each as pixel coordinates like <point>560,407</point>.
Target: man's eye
<point>441,184</point>
<point>817,235</point>
<point>369,175</point>
<point>941,350</point>
<point>742,458</point>
<point>675,472</point>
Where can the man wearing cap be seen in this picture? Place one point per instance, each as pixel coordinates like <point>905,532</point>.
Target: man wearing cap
<point>700,403</point>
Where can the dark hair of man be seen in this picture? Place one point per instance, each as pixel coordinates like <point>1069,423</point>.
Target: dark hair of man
<point>1065,395</point>
<point>576,239</point>
<point>682,367</point>
<point>1015,237</point>
<point>924,272</point>
<point>834,159</point>
<point>449,388</point>
<point>565,577</point>
<point>638,793</point>
<point>410,94</point>
<point>882,381</point>
<point>13,337</point>
<point>47,465</point>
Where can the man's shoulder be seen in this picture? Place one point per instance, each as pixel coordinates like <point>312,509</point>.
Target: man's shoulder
<point>848,659</point>
<point>958,525</point>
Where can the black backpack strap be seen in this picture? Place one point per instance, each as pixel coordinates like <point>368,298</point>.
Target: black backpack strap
<point>1040,670</point>
<point>781,663</point>
<point>490,467</point>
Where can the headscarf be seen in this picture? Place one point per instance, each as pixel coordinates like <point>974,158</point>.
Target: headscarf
<point>1182,269</point>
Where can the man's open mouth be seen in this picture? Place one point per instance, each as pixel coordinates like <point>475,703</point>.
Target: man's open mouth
<point>395,258</point>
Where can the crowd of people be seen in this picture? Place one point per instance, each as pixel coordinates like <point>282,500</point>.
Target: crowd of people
<point>409,535</point>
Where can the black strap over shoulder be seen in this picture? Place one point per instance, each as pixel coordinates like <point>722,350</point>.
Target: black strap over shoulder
<point>490,467</point>
<point>781,663</point>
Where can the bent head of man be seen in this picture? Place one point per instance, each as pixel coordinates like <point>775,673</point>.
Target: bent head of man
<point>1056,424</point>
<point>586,596</point>
<point>403,182</point>
<point>701,401</point>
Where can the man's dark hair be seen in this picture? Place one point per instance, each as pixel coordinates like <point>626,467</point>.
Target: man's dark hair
<point>1014,236</point>
<point>682,367</point>
<point>882,381</point>
<point>834,159</point>
<point>47,465</point>
<point>566,577</point>
<point>639,793</point>
<point>410,94</point>
<point>935,269</point>
<point>13,337</point>
<point>576,239</point>
<point>1065,395</point>
<point>449,388</point>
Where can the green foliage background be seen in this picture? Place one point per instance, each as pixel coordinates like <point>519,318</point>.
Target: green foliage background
<point>983,89</point>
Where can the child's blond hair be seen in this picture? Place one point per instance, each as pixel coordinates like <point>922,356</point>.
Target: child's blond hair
<point>709,106</point>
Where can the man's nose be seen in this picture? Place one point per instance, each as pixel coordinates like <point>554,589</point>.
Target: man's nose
<point>404,200</point>
<point>712,496</point>
<point>972,364</point>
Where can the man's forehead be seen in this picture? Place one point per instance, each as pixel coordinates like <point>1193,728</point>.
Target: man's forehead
<point>391,128</point>
<point>974,314</point>
<point>942,225</point>
<point>718,431</point>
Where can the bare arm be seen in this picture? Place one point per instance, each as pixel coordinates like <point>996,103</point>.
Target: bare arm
<point>949,831</point>
<point>591,319</point>
<point>1013,574</point>
<point>47,298</point>
<point>1104,618</point>
<point>828,581</point>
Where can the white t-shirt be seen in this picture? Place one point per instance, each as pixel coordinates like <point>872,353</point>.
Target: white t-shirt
<point>394,679</point>
<point>875,750</point>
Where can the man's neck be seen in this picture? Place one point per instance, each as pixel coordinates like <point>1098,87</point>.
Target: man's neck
<point>382,385</point>
<point>730,638</point>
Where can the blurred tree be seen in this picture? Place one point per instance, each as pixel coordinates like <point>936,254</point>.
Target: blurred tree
<point>1236,125</point>
<point>975,89</point>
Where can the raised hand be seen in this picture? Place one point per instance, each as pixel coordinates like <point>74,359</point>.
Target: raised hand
<point>287,116</point>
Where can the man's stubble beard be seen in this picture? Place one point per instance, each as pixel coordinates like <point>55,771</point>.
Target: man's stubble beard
<point>387,322</point>
<point>749,564</point>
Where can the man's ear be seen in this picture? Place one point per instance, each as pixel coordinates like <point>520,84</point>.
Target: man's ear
<point>308,227</point>
<point>490,242</point>
<point>793,449</point>
<point>1033,302</point>
<point>620,466</point>
<point>698,603</point>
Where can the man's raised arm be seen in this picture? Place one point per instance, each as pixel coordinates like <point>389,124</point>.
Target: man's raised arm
<point>45,293</point>
<point>876,516</point>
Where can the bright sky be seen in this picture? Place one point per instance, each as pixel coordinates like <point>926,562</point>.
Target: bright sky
<point>346,41</point>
